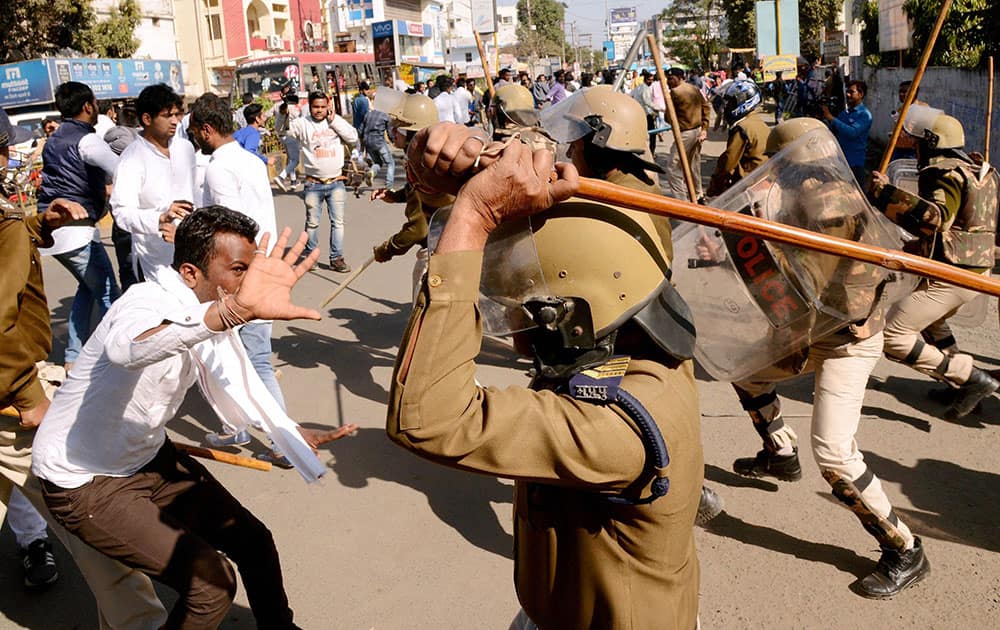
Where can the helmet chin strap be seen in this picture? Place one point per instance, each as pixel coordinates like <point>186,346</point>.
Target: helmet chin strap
<point>563,340</point>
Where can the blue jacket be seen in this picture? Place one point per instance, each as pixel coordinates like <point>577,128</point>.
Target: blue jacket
<point>65,174</point>
<point>851,127</point>
<point>249,138</point>
<point>360,107</point>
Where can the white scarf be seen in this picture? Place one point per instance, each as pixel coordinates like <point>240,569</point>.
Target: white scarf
<point>236,393</point>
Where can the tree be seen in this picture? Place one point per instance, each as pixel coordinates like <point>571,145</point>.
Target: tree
<point>966,37</point>
<point>548,36</point>
<point>742,23</point>
<point>813,15</point>
<point>115,36</point>
<point>688,33</point>
<point>32,28</point>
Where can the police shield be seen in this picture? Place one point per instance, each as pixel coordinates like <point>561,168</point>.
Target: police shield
<point>756,302</point>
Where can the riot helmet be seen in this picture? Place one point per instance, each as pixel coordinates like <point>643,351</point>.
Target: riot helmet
<point>415,112</point>
<point>513,104</point>
<point>612,119</point>
<point>788,131</point>
<point>535,281</point>
<point>739,99</point>
<point>934,128</point>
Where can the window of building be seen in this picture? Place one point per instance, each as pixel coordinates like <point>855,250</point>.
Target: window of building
<point>214,26</point>
<point>468,57</point>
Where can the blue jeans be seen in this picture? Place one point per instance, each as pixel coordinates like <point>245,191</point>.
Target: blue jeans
<point>256,337</point>
<point>292,149</point>
<point>382,156</point>
<point>334,195</point>
<point>92,268</point>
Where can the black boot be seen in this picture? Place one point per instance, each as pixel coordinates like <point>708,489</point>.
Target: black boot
<point>709,506</point>
<point>895,571</point>
<point>768,464</point>
<point>979,386</point>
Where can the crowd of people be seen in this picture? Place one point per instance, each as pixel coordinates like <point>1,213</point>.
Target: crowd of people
<point>604,446</point>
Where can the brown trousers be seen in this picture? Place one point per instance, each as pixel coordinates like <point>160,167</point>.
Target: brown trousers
<point>170,520</point>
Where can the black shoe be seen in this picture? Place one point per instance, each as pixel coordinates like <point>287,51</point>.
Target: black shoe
<point>895,571</point>
<point>339,265</point>
<point>979,386</point>
<point>768,464</point>
<point>39,564</point>
<point>709,506</point>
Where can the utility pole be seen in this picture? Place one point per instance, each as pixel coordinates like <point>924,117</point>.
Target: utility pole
<point>576,49</point>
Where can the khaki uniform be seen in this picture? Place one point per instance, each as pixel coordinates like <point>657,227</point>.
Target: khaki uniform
<point>744,152</point>
<point>693,117</point>
<point>580,562</point>
<point>955,217</point>
<point>125,598</point>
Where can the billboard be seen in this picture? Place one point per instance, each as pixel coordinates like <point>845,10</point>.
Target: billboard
<point>767,31</point>
<point>384,43</point>
<point>25,83</point>
<point>893,26</point>
<point>625,15</point>
<point>484,16</point>
<point>33,82</point>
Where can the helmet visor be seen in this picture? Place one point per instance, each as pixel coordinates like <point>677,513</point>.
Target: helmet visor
<point>511,274</point>
<point>562,123</point>
<point>388,100</point>
<point>920,118</point>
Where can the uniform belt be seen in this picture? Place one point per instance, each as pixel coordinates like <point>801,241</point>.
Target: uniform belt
<point>328,180</point>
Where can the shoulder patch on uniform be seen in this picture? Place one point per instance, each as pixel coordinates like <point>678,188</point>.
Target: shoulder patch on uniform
<point>599,384</point>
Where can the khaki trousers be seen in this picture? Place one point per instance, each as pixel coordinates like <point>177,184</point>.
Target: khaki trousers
<point>842,366</point>
<point>929,303</point>
<point>125,597</point>
<point>675,174</point>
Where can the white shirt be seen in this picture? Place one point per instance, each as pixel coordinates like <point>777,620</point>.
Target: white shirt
<point>322,146</point>
<point>464,98</point>
<point>146,183</point>
<point>108,417</point>
<point>447,106</point>
<point>400,85</point>
<point>95,152</point>
<point>104,125</point>
<point>237,179</point>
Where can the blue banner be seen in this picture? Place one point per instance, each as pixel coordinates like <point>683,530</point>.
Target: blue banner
<point>25,83</point>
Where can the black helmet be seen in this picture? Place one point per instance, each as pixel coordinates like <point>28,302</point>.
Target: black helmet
<point>739,99</point>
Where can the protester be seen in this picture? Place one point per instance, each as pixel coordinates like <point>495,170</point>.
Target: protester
<point>77,164</point>
<point>449,109</point>
<point>103,448</point>
<point>463,100</point>
<point>154,182</point>
<point>361,104</point>
<point>851,127</point>
<point>503,77</point>
<point>540,91</point>
<point>107,117</point>
<point>321,135</point>
<point>248,137</point>
<point>644,95</point>
<point>373,134</point>
<point>557,91</point>
<point>119,138</point>
<point>288,111</point>
<point>693,118</point>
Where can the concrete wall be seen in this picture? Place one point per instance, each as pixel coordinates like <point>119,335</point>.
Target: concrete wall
<point>960,93</point>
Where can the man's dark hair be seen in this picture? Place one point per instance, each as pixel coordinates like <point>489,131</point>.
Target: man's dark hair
<point>861,85</point>
<point>104,105</point>
<point>194,241</point>
<point>364,87</point>
<point>251,112</point>
<point>71,97</point>
<point>315,95</point>
<point>676,72</point>
<point>292,99</point>
<point>155,98</point>
<point>558,75</point>
<point>444,81</point>
<point>209,109</point>
<point>905,87</point>
<point>127,117</point>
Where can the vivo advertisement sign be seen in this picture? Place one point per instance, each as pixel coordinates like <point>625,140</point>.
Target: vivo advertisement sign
<point>25,83</point>
<point>33,82</point>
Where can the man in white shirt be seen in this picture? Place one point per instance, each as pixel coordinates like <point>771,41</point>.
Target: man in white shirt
<point>236,179</point>
<point>463,98</point>
<point>321,135</point>
<point>109,473</point>
<point>106,117</point>
<point>154,183</point>
<point>77,166</point>
<point>447,105</point>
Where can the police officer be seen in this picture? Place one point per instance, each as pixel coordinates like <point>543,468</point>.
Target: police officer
<point>955,217</point>
<point>414,113</point>
<point>606,133</point>
<point>513,112</point>
<point>747,136</point>
<point>602,522</point>
<point>842,363</point>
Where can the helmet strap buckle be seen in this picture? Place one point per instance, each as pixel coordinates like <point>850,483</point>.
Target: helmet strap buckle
<point>563,339</point>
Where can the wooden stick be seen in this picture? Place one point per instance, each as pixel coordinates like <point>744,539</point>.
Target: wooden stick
<point>222,456</point>
<point>914,86</point>
<point>989,109</point>
<point>486,65</point>
<point>605,192</point>
<point>347,281</point>
<point>675,126</point>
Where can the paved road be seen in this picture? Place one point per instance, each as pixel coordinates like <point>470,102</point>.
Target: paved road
<point>388,541</point>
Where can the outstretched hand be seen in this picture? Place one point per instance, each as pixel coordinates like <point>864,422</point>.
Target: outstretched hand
<point>267,285</point>
<point>62,211</point>
<point>318,437</point>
